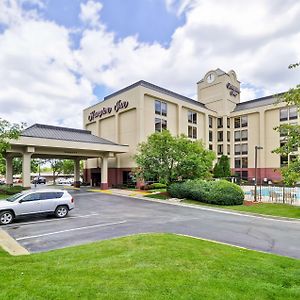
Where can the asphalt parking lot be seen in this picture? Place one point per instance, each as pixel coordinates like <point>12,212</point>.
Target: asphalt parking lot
<point>102,216</point>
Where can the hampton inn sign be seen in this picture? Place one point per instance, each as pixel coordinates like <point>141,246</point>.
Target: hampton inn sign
<point>107,110</point>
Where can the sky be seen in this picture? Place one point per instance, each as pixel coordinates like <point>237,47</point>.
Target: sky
<point>58,57</point>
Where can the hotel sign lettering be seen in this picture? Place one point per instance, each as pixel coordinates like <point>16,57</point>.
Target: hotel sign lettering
<point>107,110</point>
<point>234,91</point>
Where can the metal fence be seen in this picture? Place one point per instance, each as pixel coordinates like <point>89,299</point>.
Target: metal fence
<point>273,194</point>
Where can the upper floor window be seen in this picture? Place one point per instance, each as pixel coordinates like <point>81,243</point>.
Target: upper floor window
<point>241,135</point>
<point>220,122</point>
<point>210,136</point>
<point>192,117</point>
<point>210,122</point>
<point>160,108</point>
<point>288,113</point>
<point>240,122</point>
<point>220,136</point>
<point>228,136</point>
<point>220,149</point>
<point>228,122</point>
<point>160,124</point>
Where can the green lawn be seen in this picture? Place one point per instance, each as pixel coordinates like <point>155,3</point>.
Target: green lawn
<point>157,266</point>
<point>2,196</point>
<point>157,196</point>
<point>272,209</point>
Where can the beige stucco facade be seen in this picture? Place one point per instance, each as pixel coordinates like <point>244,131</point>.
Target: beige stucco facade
<point>129,116</point>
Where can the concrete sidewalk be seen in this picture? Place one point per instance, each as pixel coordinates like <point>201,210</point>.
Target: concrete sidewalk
<point>11,245</point>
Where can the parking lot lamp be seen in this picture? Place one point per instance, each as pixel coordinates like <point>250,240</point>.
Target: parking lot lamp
<point>255,171</point>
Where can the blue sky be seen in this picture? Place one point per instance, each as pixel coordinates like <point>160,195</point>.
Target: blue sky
<point>72,53</point>
<point>149,19</point>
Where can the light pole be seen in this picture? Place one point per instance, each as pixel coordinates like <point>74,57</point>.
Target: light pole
<point>255,163</point>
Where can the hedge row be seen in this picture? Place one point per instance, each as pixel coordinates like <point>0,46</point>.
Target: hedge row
<point>10,190</point>
<point>219,192</point>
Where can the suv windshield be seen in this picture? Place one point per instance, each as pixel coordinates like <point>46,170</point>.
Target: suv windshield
<point>14,197</point>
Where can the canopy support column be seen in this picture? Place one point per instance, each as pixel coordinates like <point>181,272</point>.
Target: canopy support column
<point>104,173</point>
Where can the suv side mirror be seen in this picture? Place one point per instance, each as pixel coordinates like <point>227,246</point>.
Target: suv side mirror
<point>20,201</point>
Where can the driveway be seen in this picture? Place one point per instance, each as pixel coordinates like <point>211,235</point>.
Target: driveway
<point>102,216</point>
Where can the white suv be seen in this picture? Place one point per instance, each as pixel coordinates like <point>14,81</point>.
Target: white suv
<point>58,202</point>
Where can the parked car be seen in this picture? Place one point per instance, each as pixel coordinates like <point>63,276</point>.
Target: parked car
<point>28,202</point>
<point>39,180</point>
<point>2,181</point>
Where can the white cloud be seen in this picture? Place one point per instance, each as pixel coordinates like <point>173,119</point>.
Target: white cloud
<point>44,79</point>
<point>89,13</point>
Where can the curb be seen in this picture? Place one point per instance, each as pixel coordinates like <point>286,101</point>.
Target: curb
<point>225,211</point>
<point>10,245</point>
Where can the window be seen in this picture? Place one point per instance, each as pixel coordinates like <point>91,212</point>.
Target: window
<point>244,162</point>
<point>210,147</point>
<point>237,136</point>
<point>192,117</point>
<point>220,136</point>
<point>237,122</point>
<point>244,135</point>
<point>160,124</point>
<point>283,114</point>
<point>31,197</point>
<point>283,160</point>
<point>50,195</point>
<point>210,136</point>
<point>228,136</point>
<point>245,175</point>
<point>283,132</point>
<point>237,163</point>
<point>160,108</point>
<point>228,122</point>
<point>241,122</point>
<point>192,132</point>
<point>241,135</point>
<point>293,113</point>
<point>293,158</point>
<point>210,122</point>
<point>228,149</point>
<point>220,122</point>
<point>237,149</point>
<point>220,149</point>
<point>244,149</point>
<point>244,121</point>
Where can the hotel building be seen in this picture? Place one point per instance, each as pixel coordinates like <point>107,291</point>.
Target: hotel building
<point>217,117</point>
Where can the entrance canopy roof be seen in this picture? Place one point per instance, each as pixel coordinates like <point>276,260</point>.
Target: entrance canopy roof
<point>45,141</point>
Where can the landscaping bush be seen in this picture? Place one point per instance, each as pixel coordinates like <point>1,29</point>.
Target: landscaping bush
<point>219,192</point>
<point>157,185</point>
<point>10,190</point>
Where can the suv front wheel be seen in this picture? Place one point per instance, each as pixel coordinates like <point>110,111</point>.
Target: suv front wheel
<point>61,211</point>
<point>6,217</point>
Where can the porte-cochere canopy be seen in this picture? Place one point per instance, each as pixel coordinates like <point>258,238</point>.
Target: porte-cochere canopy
<point>45,141</point>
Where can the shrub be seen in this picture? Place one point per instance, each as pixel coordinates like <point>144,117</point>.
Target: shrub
<point>225,193</point>
<point>157,185</point>
<point>219,192</point>
<point>10,190</point>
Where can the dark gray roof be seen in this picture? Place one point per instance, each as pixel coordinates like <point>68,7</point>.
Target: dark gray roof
<point>268,100</point>
<point>64,134</point>
<point>157,89</point>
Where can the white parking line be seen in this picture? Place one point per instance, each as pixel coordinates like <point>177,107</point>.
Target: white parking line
<point>68,230</point>
<point>52,220</point>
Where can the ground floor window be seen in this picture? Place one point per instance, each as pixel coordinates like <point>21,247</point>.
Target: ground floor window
<point>160,124</point>
<point>192,132</point>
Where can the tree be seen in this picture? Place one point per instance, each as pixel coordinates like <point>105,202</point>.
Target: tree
<point>56,166</point>
<point>166,158</point>
<point>68,166</point>
<point>8,131</point>
<point>291,133</point>
<point>222,167</point>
